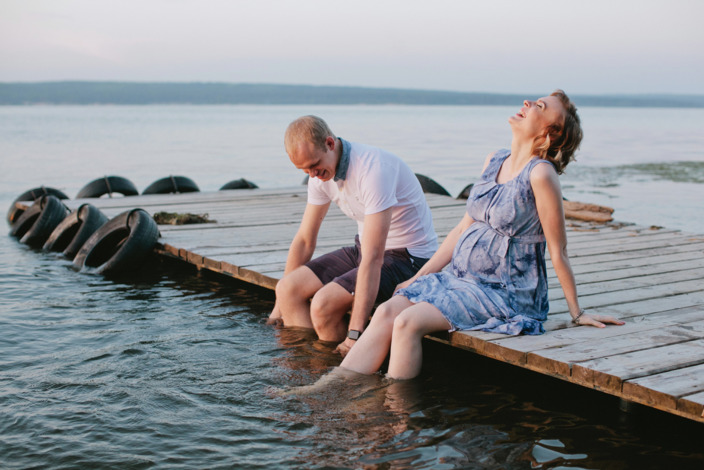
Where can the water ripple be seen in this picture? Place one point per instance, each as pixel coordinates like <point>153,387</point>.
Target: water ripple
<point>174,369</point>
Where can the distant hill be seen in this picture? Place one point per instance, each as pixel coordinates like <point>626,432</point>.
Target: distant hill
<point>133,93</point>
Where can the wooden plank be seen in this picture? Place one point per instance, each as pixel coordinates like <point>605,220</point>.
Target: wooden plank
<point>633,282</point>
<point>578,236</point>
<point>692,406</point>
<point>609,373</point>
<point>650,264</point>
<point>695,248</point>
<point>618,240</point>
<point>679,312</point>
<point>558,361</point>
<point>564,333</point>
<point>551,353</point>
<point>640,306</point>
<point>558,304</point>
<point>663,391</point>
<point>636,248</point>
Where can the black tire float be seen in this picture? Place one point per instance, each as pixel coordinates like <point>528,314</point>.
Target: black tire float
<point>464,194</point>
<point>32,195</point>
<point>430,186</point>
<point>122,243</point>
<point>35,224</point>
<point>70,235</point>
<point>172,184</point>
<point>239,184</point>
<point>108,185</point>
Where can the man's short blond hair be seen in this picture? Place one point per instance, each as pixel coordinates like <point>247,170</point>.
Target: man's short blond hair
<point>309,129</point>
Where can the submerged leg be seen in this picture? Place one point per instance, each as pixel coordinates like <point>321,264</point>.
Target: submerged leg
<point>327,312</point>
<point>293,292</point>
<point>406,344</point>
<point>369,352</point>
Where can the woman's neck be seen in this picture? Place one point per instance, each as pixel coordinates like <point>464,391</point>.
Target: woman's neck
<point>521,152</point>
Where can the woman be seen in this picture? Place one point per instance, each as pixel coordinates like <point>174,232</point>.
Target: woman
<point>498,279</point>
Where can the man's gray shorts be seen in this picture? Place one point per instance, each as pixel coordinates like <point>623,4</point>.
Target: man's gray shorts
<point>340,266</point>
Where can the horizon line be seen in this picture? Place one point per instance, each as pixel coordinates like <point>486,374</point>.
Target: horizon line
<point>358,87</point>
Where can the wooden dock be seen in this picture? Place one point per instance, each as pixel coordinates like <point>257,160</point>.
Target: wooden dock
<point>651,277</point>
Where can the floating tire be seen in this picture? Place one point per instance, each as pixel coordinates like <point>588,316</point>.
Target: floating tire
<point>172,184</point>
<point>464,194</point>
<point>35,224</point>
<point>430,186</point>
<point>32,195</point>
<point>122,243</point>
<point>70,235</point>
<point>108,185</point>
<point>239,184</point>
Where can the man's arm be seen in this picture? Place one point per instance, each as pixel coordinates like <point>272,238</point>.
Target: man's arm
<point>303,245</point>
<point>376,229</point>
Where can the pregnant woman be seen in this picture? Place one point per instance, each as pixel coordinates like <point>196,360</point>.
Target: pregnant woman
<point>497,279</point>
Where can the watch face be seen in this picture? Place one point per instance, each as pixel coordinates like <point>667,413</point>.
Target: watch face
<point>353,334</point>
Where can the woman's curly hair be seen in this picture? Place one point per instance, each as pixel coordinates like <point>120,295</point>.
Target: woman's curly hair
<point>562,140</point>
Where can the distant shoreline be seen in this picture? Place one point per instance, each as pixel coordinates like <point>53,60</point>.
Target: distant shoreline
<point>165,93</point>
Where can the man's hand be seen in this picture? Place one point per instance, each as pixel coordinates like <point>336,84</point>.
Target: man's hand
<point>344,347</point>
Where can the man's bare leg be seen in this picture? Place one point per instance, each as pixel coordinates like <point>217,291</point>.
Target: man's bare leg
<point>293,292</point>
<point>327,311</point>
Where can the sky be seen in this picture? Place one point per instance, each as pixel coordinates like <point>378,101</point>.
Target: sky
<point>502,46</point>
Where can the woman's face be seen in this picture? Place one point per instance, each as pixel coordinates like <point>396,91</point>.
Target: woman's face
<point>535,116</point>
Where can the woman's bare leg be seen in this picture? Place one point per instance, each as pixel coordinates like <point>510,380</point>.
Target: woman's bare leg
<point>406,345</point>
<point>370,350</point>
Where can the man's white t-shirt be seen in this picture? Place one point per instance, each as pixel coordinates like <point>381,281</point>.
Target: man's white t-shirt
<point>377,180</point>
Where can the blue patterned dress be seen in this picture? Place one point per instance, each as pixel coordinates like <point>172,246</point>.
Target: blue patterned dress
<point>497,279</point>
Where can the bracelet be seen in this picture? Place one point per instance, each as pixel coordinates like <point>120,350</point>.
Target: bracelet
<point>575,320</point>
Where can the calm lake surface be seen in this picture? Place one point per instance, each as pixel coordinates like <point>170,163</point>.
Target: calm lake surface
<point>170,368</point>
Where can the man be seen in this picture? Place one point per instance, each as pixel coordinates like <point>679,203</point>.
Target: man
<point>395,233</point>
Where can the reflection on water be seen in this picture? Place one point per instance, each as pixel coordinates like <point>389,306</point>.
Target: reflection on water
<point>466,411</point>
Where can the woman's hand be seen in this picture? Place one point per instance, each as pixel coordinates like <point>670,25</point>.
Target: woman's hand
<point>404,284</point>
<point>598,321</point>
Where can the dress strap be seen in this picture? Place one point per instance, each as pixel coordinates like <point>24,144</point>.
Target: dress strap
<point>495,164</point>
<point>537,161</point>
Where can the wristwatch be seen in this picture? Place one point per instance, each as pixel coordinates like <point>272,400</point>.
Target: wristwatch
<point>354,334</point>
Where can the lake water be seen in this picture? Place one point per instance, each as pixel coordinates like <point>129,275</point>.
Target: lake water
<point>171,368</point>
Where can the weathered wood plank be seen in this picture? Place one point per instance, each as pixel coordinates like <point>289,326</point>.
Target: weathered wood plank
<point>609,373</point>
<point>639,306</point>
<point>634,282</point>
<point>663,391</point>
<point>692,406</point>
<point>558,360</point>
<point>618,269</point>
<point>619,240</point>
<point>563,333</point>
<point>558,304</point>
<point>695,248</point>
